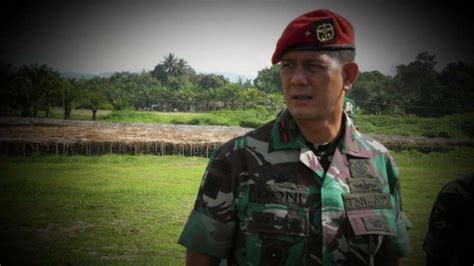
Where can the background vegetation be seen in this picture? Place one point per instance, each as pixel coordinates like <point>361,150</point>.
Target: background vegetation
<point>130,210</point>
<point>417,88</point>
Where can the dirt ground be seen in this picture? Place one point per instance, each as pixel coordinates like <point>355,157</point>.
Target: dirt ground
<point>42,135</point>
<point>70,131</point>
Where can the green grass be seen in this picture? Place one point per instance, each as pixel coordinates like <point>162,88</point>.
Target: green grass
<point>422,177</point>
<point>249,118</point>
<point>452,126</point>
<point>76,114</point>
<point>131,209</point>
<point>93,210</point>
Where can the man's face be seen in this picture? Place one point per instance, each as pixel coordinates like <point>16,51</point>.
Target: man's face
<point>312,84</point>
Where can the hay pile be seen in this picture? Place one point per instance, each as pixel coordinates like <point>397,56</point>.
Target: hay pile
<point>26,136</point>
<point>37,136</point>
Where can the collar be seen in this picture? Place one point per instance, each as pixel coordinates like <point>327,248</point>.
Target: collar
<point>286,135</point>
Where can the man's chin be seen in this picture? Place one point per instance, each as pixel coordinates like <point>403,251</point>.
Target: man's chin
<point>302,115</point>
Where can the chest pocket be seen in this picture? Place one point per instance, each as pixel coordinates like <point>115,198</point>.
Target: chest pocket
<point>277,225</point>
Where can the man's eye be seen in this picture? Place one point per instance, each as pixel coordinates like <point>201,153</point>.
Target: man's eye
<point>285,65</point>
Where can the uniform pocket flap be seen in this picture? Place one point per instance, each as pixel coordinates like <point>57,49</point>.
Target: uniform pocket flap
<point>268,222</point>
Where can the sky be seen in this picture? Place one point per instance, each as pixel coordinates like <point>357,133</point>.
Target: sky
<point>226,36</point>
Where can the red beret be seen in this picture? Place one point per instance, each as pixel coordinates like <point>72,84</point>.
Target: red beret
<point>316,30</point>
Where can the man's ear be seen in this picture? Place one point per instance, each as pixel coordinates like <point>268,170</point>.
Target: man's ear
<point>350,73</point>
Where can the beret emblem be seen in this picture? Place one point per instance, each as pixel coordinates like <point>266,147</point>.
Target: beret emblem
<point>325,32</point>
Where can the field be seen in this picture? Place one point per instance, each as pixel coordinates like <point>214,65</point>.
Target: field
<point>129,210</point>
<point>25,136</point>
<point>459,126</point>
<point>34,136</point>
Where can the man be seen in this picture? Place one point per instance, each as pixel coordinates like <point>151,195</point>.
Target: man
<point>349,108</point>
<point>306,188</point>
<point>451,232</point>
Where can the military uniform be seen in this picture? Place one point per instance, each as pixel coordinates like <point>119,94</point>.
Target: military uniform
<point>451,231</point>
<point>350,108</point>
<point>266,199</point>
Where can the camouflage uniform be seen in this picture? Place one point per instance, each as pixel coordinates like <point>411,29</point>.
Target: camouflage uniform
<point>265,199</point>
<point>450,234</point>
<point>350,108</point>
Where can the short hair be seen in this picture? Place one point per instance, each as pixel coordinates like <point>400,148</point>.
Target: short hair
<point>343,56</point>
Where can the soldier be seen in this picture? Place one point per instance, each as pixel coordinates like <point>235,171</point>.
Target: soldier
<point>450,233</point>
<point>350,108</point>
<point>305,188</point>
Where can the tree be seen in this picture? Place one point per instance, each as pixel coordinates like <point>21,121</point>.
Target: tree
<point>370,92</point>
<point>7,80</point>
<point>210,81</point>
<point>416,86</point>
<point>174,72</point>
<point>170,64</point>
<point>183,69</point>
<point>457,80</point>
<point>34,86</point>
<point>94,96</point>
<point>268,79</point>
<point>250,97</point>
<point>71,96</point>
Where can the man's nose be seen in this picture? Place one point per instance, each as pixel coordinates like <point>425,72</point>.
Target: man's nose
<point>298,77</point>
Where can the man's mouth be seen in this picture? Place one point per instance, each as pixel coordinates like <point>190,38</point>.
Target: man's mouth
<point>301,97</point>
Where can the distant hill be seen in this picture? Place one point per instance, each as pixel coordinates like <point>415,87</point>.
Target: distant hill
<point>84,75</point>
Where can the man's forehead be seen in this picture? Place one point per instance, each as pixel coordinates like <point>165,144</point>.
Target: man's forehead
<point>306,55</point>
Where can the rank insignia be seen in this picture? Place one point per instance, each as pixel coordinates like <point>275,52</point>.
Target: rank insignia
<point>364,185</point>
<point>376,223</point>
<point>359,168</point>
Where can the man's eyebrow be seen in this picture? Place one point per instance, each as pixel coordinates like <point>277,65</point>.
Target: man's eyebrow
<point>315,60</point>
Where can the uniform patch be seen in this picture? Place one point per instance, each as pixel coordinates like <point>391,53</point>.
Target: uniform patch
<point>354,201</point>
<point>212,186</point>
<point>376,223</point>
<point>269,223</point>
<point>366,222</point>
<point>364,185</point>
<point>263,195</point>
<point>360,168</point>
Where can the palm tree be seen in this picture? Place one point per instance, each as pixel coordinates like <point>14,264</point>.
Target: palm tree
<point>35,85</point>
<point>182,68</point>
<point>170,64</point>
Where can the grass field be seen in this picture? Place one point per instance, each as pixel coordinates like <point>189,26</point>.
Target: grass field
<point>249,118</point>
<point>76,114</point>
<point>452,126</point>
<point>130,210</point>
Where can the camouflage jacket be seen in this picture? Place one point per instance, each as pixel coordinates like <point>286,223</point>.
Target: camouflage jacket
<point>451,231</point>
<point>266,200</point>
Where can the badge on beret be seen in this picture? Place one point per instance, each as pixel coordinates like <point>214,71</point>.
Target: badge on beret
<point>324,31</point>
